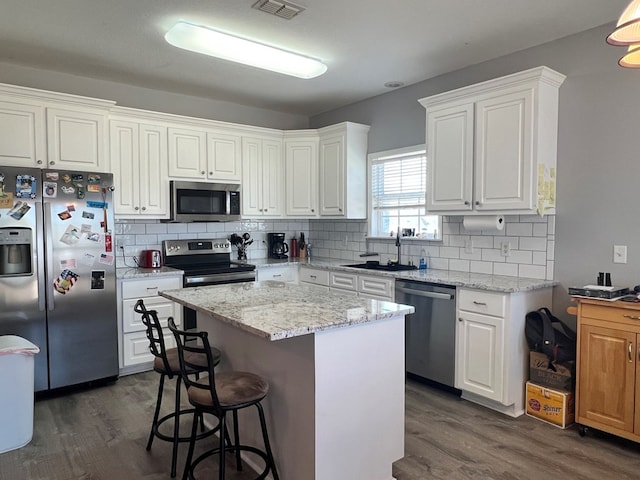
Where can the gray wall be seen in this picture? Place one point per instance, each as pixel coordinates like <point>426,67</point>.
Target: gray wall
<point>147,99</point>
<point>598,149</point>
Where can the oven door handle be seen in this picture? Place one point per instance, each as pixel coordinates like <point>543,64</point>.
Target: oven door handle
<point>423,293</point>
<point>194,281</point>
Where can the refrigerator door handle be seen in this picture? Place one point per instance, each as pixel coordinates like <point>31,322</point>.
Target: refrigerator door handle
<point>49,257</point>
<point>39,244</point>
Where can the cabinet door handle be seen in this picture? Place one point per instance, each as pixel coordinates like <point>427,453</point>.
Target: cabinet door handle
<point>152,289</point>
<point>466,202</point>
<point>479,303</point>
<point>144,208</point>
<point>277,275</point>
<point>630,352</point>
<point>202,172</point>
<point>312,276</point>
<point>39,162</point>
<point>632,317</point>
<point>477,203</point>
<point>460,319</point>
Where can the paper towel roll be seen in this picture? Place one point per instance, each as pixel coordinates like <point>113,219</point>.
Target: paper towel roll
<point>487,223</point>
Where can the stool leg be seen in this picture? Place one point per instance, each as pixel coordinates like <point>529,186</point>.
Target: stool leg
<point>192,442</point>
<point>236,434</point>
<point>154,424</point>
<point>176,427</point>
<point>223,428</point>
<point>267,445</point>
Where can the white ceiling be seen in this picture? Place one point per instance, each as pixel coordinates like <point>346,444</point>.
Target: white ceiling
<point>365,43</point>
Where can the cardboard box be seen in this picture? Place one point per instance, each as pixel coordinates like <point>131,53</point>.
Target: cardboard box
<point>551,406</point>
<point>563,378</point>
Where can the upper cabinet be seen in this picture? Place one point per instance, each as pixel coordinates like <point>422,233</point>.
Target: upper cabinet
<point>204,154</point>
<point>492,147</point>
<point>22,134</point>
<point>262,177</point>
<point>46,129</point>
<point>342,170</point>
<point>301,173</point>
<point>139,164</point>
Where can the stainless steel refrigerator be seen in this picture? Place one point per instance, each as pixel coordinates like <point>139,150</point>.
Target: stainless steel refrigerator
<point>57,272</point>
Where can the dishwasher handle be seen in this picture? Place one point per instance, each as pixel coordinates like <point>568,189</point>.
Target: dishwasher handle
<point>423,293</point>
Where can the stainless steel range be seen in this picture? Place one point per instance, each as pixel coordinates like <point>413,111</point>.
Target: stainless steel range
<point>205,262</point>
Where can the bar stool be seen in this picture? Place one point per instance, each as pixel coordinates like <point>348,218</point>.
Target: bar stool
<point>219,394</point>
<point>167,364</point>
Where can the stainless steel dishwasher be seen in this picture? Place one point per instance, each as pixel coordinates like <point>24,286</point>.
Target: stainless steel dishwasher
<point>431,331</point>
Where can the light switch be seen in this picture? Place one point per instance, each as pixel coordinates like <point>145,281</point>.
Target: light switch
<point>619,254</point>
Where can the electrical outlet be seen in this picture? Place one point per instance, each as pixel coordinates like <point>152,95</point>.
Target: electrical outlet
<point>468,246</point>
<point>619,254</point>
<point>505,249</point>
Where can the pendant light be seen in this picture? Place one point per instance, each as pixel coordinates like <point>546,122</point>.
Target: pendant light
<point>627,33</point>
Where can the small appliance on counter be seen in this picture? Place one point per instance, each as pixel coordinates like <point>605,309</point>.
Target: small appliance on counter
<point>150,259</point>
<point>277,245</point>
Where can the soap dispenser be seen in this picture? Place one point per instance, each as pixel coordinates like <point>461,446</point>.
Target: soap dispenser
<point>423,260</point>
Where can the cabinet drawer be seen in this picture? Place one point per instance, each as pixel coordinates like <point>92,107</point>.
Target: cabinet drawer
<point>280,274</point>
<point>377,287</point>
<point>611,314</point>
<point>479,301</point>
<point>343,281</point>
<point>317,277</point>
<point>149,287</point>
<point>132,322</point>
<point>135,347</point>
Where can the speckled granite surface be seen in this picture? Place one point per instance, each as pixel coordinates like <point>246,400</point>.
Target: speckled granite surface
<point>277,310</point>
<point>129,273</point>
<point>495,283</point>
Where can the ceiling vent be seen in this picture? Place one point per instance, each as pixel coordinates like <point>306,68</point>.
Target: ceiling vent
<point>286,10</point>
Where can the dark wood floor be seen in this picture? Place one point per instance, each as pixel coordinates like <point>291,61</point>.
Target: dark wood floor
<point>100,434</point>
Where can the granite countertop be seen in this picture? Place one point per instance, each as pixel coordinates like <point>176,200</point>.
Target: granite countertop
<point>277,310</point>
<point>135,272</point>
<point>495,283</point>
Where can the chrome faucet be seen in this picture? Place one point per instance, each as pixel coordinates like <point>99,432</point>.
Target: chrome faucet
<point>398,244</point>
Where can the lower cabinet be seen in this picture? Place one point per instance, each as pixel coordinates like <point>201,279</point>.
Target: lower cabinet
<point>492,357</point>
<point>608,368</point>
<point>134,346</point>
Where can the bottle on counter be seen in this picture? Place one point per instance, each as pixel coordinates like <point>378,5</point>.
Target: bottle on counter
<point>423,260</point>
<point>293,250</point>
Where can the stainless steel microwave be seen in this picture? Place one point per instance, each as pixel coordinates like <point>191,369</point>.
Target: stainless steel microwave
<point>204,202</point>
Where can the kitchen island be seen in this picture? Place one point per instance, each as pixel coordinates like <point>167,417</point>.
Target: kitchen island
<point>335,364</point>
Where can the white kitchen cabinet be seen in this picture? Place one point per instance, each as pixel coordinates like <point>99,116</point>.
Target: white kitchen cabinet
<point>343,170</point>
<point>367,286</point>
<point>224,157</point>
<point>379,288</point>
<point>492,357</point>
<point>139,165</point>
<point>134,346</point>
<point>492,147</point>
<point>279,273</point>
<point>77,139</point>
<point>22,133</point>
<point>301,173</point>
<point>343,281</point>
<point>262,177</point>
<point>187,153</point>
<point>314,276</point>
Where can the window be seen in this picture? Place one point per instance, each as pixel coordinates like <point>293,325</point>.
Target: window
<point>398,180</point>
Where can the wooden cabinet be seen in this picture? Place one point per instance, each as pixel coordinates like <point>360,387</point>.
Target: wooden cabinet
<point>139,165</point>
<point>343,170</point>
<point>262,177</point>
<point>608,371</point>
<point>492,147</point>
<point>492,357</point>
<point>22,133</point>
<point>301,173</point>
<point>134,345</point>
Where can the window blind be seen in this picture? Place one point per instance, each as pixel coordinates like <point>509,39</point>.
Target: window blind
<point>399,182</point>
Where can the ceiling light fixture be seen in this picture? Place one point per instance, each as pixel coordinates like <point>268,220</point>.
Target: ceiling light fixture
<point>627,33</point>
<point>207,41</point>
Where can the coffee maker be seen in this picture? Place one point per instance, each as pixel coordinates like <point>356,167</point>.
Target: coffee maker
<point>277,245</point>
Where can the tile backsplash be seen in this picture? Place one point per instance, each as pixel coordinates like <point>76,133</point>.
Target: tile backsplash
<point>531,242</point>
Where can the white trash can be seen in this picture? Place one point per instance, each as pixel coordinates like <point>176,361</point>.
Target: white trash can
<point>16,391</point>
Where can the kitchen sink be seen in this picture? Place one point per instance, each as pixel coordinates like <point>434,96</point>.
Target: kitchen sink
<point>390,267</point>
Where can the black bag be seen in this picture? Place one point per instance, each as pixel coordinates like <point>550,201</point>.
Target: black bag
<point>549,335</point>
